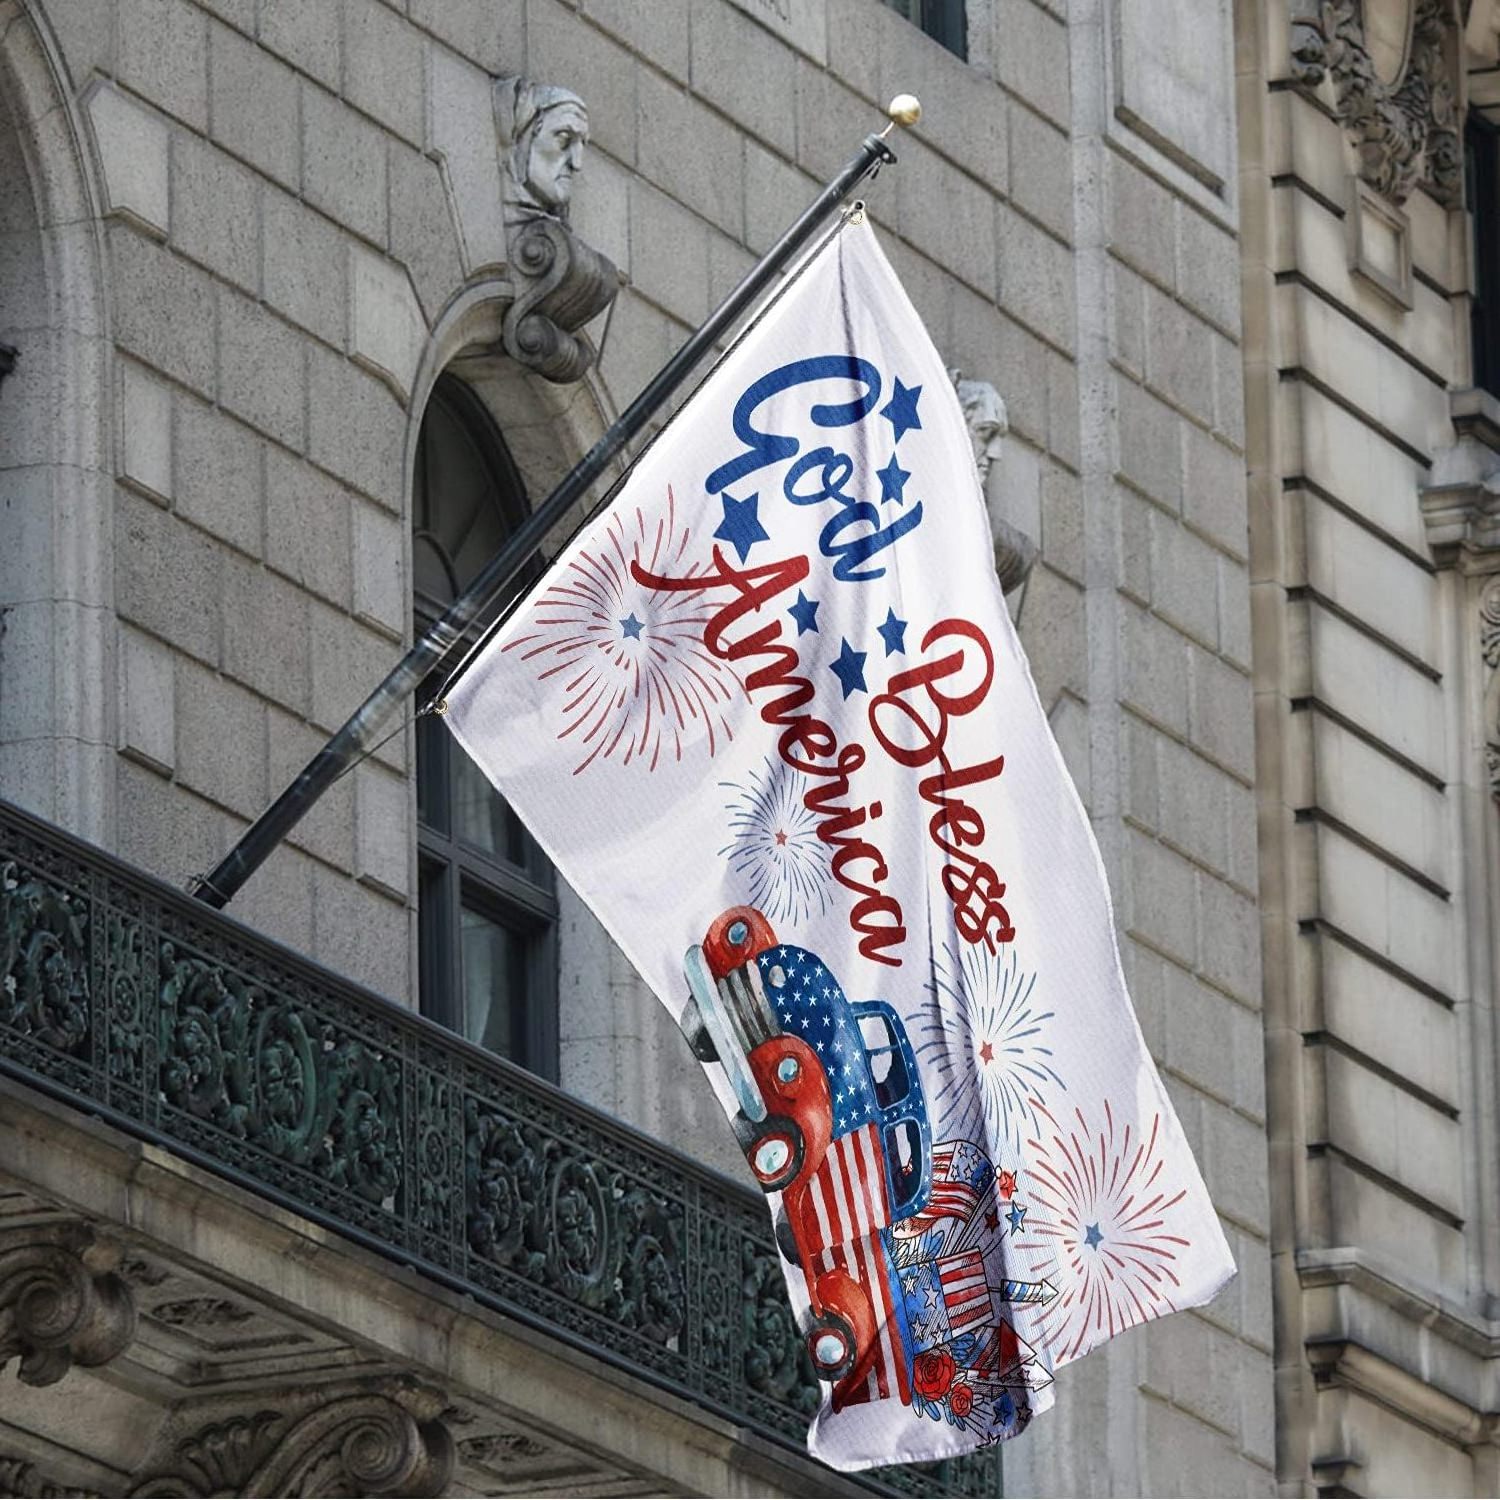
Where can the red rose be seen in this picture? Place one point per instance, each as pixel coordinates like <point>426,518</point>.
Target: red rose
<point>932,1374</point>
<point>961,1399</point>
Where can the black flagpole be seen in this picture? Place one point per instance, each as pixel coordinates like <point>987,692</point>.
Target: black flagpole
<point>358,734</point>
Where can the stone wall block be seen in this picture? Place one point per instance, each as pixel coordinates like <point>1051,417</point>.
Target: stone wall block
<point>1062,521</point>
<point>254,106</point>
<point>221,740</point>
<point>831,121</point>
<point>163,309</point>
<point>216,211</point>
<point>343,164</point>
<point>147,710</point>
<point>1221,713</point>
<point>132,146</point>
<point>387,331</point>
<point>463,135</point>
<point>1234,1165</point>
<point>1155,669</point>
<point>349,661</point>
<point>382,840</point>
<point>1192,811</point>
<point>1150,450</point>
<point>1199,1025</point>
<point>1141,217</point>
<point>163,55</point>
<point>493,36</point>
<point>1184,579</point>
<point>952,219</point>
<point>145,431</point>
<point>1229,939</point>
<point>1128,318</point>
<point>669,254</point>
<point>278,900</point>
<point>1064,423</point>
<point>745,71</point>
<point>603,74</point>
<point>261,374</point>
<point>1234,612</point>
<point>359,932</point>
<point>1054,633</point>
<point>854,30</point>
<point>305,267</point>
<point>1179,356</point>
<point>1036,281</point>
<point>327,829</point>
<point>1208,269</point>
<point>1133,526</point>
<point>1139,781</point>
<point>357,429</point>
<point>306,33</point>
<point>1041,171</point>
<point>1213,490</point>
<point>690,152</point>
<point>641,340</point>
<point>308,531</point>
<point>424,237</point>
<point>266,643</point>
<point>1229,390</point>
<point>1199,1365</point>
<point>219,475</point>
<point>167,577</point>
<point>1031,58</point>
<point>380,593</point>
<point>1159,903</point>
<point>658,31</point>
<point>384,71</point>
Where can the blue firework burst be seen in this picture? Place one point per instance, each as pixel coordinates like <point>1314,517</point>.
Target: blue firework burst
<point>774,846</point>
<point>983,1045</point>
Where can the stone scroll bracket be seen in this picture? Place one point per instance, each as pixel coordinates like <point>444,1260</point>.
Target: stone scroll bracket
<point>62,1303</point>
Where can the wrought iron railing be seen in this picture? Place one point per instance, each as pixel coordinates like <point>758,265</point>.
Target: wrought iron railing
<point>124,997</point>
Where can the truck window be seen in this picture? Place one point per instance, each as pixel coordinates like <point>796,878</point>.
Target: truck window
<point>888,1073</point>
<point>903,1151</point>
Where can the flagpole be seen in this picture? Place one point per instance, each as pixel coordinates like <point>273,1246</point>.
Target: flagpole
<point>358,735</point>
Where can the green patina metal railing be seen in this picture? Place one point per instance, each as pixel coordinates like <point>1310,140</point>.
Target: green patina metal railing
<point>131,1000</point>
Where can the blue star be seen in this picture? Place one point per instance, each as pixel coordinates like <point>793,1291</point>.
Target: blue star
<point>630,627</point>
<point>1093,1237</point>
<point>741,526</point>
<point>805,613</point>
<point>901,410</point>
<point>893,633</point>
<point>1005,1409</point>
<point>893,482</point>
<point>1017,1216</point>
<point>850,669</point>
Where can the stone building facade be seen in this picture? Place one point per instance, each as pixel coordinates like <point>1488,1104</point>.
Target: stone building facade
<point>1215,260</point>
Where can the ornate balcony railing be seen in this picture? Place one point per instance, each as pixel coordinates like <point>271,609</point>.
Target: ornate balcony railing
<point>128,999</point>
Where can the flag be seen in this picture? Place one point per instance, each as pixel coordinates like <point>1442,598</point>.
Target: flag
<point>770,718</point>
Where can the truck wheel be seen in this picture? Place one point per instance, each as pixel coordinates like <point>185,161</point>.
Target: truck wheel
<point>786,1241</point>
<point>830,1346</point>
<point>698,1039</point>
<point>775,1153</point>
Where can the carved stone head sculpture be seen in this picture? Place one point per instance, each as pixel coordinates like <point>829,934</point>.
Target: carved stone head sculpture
<point>543,129</point>
<point>560,282</point>
<point>984,411</point>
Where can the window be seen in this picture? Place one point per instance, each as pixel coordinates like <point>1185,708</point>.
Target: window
<point>1482,159</point>
<point>487,907</point>
<point>943,20</point>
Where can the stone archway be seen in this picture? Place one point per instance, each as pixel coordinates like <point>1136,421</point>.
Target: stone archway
<point>56,576</point>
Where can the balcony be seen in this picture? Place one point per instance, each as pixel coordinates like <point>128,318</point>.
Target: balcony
<point>127,1001</point>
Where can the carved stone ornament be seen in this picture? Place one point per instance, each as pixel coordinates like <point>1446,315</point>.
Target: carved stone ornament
<point>1405,130</point>
<point>988,423</point>
<point>1489,645</point>
<point>560,282</point>
<point>20,1480</point>
<point>363,1442</point>
<point>61,1304</point>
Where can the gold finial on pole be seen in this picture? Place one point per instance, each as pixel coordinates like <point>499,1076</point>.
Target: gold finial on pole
<point>904,109</point>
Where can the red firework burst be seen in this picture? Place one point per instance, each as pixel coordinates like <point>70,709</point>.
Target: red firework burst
<point>1100,1226</point>
<point>631,673</point>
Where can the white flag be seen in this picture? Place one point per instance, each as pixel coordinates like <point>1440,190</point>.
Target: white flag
<point>770,718</point>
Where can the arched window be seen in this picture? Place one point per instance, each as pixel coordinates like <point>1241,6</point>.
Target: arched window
<point>487,909</point>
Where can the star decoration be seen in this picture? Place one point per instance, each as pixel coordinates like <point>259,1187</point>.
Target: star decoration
<point>992,1220</point>
<point>781,836</point>
<point>986,1052</point>
<point>893,482</point>
<point>741,526</point>
<point>1017,1216</point>
<point>893,633</point>
<point>805,613</point>
<point>901,410</point>
<point>850,669</point>
<point>1006,1182</point>
<point>1092,1237</point>
<point>1005,1409</point>
<point>630,627</point>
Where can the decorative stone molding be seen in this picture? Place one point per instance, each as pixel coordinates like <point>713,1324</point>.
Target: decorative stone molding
<point>1405,130</point>
<point>61,1303</point>
<point>1489,646</point>
<point>386,1441</point>
<point>20,1480</point>
<point>988,423</point>
<point>560,282</point>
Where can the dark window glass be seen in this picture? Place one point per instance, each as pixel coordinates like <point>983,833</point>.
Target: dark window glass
<point>943,20</point>
<point>1483,164</point>
<point>487,903</point>
<point>903,1154</point>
